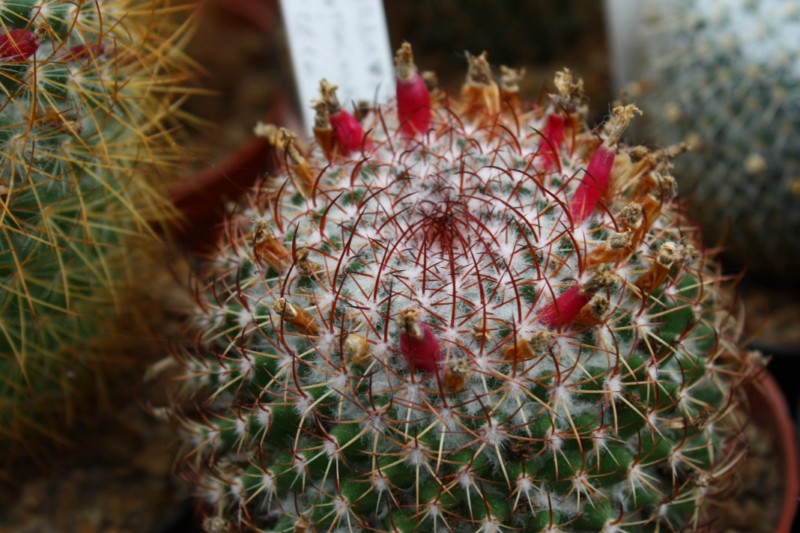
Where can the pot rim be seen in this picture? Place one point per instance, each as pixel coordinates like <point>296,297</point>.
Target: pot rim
<point>770,411</point>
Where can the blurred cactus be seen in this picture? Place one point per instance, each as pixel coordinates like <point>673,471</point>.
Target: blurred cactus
<point>724,76</point>
<point>86,148</point>
<point>481,316</point>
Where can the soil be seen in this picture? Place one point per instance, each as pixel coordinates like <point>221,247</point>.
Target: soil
<point>773,312</point>
<point>119,482</point>
<point>111,471</point>
<point>756,502</point>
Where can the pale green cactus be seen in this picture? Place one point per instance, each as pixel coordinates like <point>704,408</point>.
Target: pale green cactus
<point>724,76</point>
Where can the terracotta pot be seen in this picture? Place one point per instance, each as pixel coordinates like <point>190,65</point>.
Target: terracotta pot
<point>770,412</point>
<point>201,198</point>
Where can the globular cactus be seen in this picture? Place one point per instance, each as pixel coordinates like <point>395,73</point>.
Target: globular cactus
<point>462,314</point>
<point>724,76</point>
<point>86,147</point>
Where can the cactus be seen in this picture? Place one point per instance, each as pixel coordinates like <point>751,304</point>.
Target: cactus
<point>86,142</point>
<point>722,75</point>
<point>466,314</point>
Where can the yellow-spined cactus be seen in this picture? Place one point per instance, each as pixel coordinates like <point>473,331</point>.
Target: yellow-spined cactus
<point>88,103</point>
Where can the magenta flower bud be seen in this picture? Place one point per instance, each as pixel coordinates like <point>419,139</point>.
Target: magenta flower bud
<point>564,308</point>
<point>593,185</point>
<point>550,149</point>
<point>598,174</point>
<point>349,133</point>
<point>413,99</point>
<point>413,105</point>
<point>18,45</point>
<point>418,343</point>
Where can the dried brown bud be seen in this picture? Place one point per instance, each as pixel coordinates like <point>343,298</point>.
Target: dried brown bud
<point>525,349</point>
<point>481,94</point>
<point>356,349</point>
<point>601,278</point>
<point>510,78</point>
<point>668,253</point>
<point>621,116</point>
<point>618,240</point>
<point>570,92</point>
<point>268,249</point>
<point>479,71</point>
<point>594,312</point>
<point>632,215</point>
<point>296,316</point>
<point>431,80</point>
<point>409,322</point>
<point>328,96</point>
<point>480,331</point>
<point>304,264</point>
<point>457,373</point>
<point>271,132</point>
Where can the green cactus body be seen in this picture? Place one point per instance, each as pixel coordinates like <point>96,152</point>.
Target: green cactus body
<point>84,146</point>
<point>433,332</point>
<point>724,76</point>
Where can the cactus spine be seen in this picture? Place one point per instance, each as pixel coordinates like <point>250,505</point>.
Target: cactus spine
<point>472,315</point>
<point>85,147</point>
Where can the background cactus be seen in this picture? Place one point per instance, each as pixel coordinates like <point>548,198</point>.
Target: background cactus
<point>86,148</point>
<point>724,75</point>
<point>478,316</point>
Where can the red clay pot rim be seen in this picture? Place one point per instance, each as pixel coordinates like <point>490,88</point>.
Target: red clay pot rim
<point>200,198</point>
<point>769,410</point>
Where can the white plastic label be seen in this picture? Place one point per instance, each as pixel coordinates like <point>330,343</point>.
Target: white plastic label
<point>344,41</point>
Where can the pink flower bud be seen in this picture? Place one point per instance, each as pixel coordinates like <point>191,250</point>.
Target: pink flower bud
<point>413,105</point>
<point>349,133</point>
<point>594,183</point>
<point>550,149</point>
<point>18,45</point>
<point>564,308</point>
<point>418,343</point>
<point>413,100</point>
